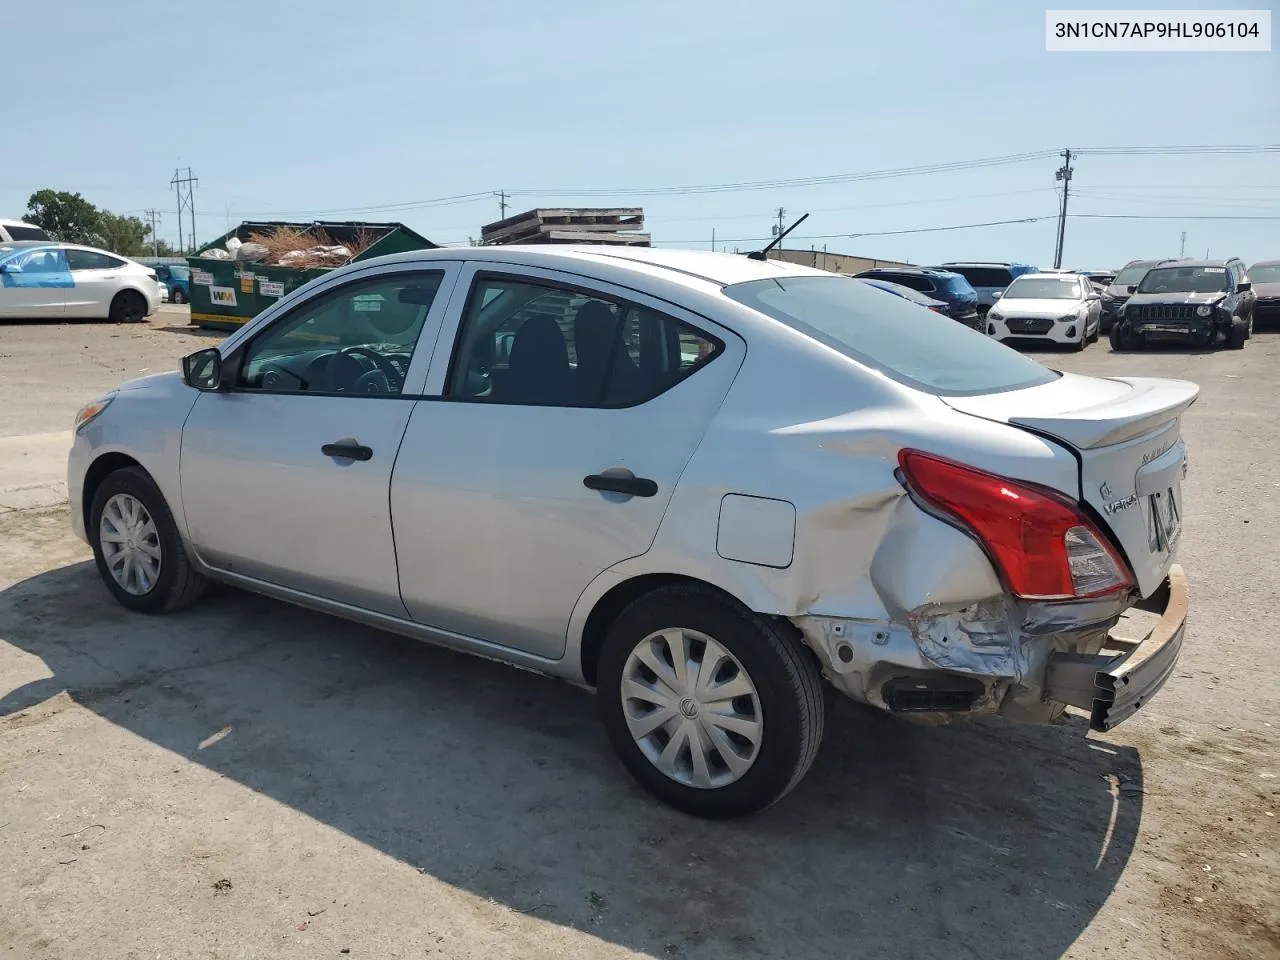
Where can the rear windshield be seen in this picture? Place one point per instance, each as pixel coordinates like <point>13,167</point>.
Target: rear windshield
<point>1184,280</point>
<point>915,346</point>
<point>958,286</point>
<point>984,276</point>
<point>25,233</point>
<point>1043,288</point>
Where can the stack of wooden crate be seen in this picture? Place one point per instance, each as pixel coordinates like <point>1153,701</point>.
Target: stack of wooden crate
<point>610,225</point>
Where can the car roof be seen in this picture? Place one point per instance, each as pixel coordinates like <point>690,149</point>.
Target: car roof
<point>21,244</point>
<point>1052,275</point>
<point>1266,263</point>
<point>684,266</point>
<point>1199,263</point>
<point>912,271</point>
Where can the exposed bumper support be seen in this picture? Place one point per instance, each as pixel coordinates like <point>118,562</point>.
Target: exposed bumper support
<point>1113,688</point>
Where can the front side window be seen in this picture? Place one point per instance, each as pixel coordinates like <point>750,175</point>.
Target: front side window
<point>1185,280</point>
<point>1043,288</point>
<point>923,349</point>
<point>41,260</point>
<point>358,339</point>
<point>543,345</point>
<point>91,260</point>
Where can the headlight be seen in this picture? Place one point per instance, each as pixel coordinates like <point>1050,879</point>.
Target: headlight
<point>90,411</point>
<point>1203,310</point>
<point>994,315</point>
<point>1068,318</point>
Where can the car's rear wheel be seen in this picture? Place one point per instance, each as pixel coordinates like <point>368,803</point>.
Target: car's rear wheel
<point>714,710</point>
<point>136,545</point>
<point>178,296</point>
<point>129,306</point>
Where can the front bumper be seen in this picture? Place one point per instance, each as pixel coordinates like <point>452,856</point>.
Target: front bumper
<point>1056,331</point>
<point>1113,688</point>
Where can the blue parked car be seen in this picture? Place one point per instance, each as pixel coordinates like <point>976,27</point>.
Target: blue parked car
<point>177,278</point>
<point>988,279</point>
<point>951,288</point>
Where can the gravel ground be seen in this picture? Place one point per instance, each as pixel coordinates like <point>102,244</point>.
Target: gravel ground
<point>246,779</point>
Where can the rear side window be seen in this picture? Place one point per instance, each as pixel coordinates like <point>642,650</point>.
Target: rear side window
<point>911,280</point>
<point>544,345</point>
<point>918,347</point>
<point>958,285</point>
<point>25,233</point>
<point>984,276</point>
<point>91,260</point>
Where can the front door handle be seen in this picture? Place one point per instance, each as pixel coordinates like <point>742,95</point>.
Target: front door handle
<point>347,449</point>
<point>632,486</point>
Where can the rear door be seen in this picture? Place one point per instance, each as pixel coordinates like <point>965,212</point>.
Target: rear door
<point>96,279</point>
<point>1127,434</point>
<point>561,412</point>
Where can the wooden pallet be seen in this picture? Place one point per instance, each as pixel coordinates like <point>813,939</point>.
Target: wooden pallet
<point>586,224</point>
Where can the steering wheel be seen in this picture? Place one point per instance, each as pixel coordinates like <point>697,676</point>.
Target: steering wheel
<point>390,375</point>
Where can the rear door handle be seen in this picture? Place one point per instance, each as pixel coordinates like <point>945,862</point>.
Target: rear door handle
<point>347,450</point>
<point>632,486</point>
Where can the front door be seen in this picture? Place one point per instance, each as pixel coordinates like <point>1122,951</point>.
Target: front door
<point>33,283</point>
<point>562,419</point>
<point>285,477</point>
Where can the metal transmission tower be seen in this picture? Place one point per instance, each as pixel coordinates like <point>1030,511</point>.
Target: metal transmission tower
<point>153,218</point>
<point>1063,173</point>
<point>184,184</point>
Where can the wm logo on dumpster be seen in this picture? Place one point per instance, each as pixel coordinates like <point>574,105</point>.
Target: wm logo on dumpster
<point>222,296</point>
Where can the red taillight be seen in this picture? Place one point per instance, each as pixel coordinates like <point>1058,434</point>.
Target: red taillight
<point>1043,544</point>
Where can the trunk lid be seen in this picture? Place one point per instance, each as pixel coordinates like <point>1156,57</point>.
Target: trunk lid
<point>1127,434</point>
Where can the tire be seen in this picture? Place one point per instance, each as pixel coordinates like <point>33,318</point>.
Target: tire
<point>129,306</point>
<point>1119,340</point>
<point>177,296</point>
<point>1080,344</point>
<point>175,584</point>
<point>1237,334</point>
<point>785,706</point>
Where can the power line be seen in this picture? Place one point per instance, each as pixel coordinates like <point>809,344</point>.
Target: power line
<point>1193,150</point>
<point>1153,216</point>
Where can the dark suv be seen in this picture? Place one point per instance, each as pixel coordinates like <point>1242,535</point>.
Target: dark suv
<point>1115,293</point>
<point>1193,300</point>
<point>951,288</point>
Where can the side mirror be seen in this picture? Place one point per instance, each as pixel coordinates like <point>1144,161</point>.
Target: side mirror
<point>203,369</point>
<point>1243,286</point>
<point>1132,288</point>
<point>10,268</point>
<point>997,295</point>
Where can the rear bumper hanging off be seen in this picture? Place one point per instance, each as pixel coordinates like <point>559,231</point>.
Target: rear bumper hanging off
<point>1113,688</point>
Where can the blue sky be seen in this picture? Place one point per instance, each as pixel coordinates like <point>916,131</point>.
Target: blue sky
<point>329,104</point>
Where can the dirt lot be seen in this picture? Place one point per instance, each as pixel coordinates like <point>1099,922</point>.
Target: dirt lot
<point>249,780</point>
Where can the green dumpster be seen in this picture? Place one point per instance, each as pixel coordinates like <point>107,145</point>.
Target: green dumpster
<point>226,293</point>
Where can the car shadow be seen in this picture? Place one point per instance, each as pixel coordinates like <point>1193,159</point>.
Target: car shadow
<point>989,839</point>
<point>194,331</point>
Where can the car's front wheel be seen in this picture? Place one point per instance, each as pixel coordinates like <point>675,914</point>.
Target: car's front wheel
<point>714,710</point>
<point>136,545</point>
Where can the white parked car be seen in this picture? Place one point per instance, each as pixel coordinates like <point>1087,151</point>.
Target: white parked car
<point>1055,307</point>
<point>20,230</point>
<point>42,280</point>
<point>163,290</point>
<point>698,482</point>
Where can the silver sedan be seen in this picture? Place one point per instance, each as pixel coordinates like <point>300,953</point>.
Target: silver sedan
<point>699,483</point>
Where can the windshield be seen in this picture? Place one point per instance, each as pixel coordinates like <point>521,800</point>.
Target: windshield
<point>1184,280</point>
<point>915,346</point>
<point>1043,288</point>
<point>1265,273</point>
<point>1131,275</point>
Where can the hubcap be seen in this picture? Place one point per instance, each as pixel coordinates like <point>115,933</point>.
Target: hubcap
<point>691,708</point>
<point>130,544</point>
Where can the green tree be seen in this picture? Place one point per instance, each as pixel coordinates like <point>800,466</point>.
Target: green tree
<point>68,217</point>
<point>120,234</point>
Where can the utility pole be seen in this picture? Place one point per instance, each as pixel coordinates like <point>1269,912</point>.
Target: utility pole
<point>184,185</point>
<point>1182,250</point>
<point>782,219</point>
<point>502,203</point>
<point>713,239</point>
<point>1063,173</point>
<point>153,216</point>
